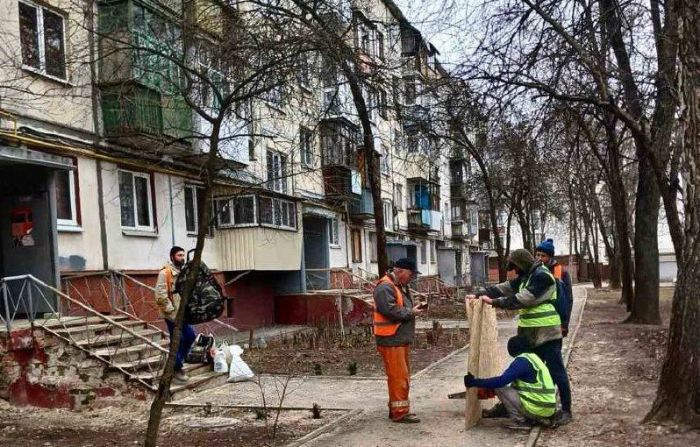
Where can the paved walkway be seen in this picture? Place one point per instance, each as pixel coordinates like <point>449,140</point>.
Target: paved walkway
<point>442,419</point>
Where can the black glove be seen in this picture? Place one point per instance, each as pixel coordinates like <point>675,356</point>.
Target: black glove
<point>469,380</point>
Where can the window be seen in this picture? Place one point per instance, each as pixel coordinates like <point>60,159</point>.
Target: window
<point>238,211</point>
<point>304,72</point>
<point>274,95</point>
<point>388,215</point>
<point>371,95</point>
<point>251,149</point>
<point>42,36</point>
<point>372,247</point>
<point>276,171</point>
<point>356,237</point>
<point>66,198</point>
<point>380,45</point>
<point>135,201</point>
<point>456,212</point>
<point>365,40</point>
<point>383,104</point>
<point>398,197</point>
<point>385,168</point>
<point>433,252</point>
<point>278,212</point>
<point>333,231</point>
<point>409,90</point>
<point>306,147</point>
<point>329,74</point>
<point>194,201</point>
<point>423,253</point>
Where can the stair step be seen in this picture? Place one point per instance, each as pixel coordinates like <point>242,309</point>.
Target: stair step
<point>198,383</point>
<point>84,331</point>
<point>141,363</point>
<point>65,322</point>
<point>128,351</point>
<point>117,338</point>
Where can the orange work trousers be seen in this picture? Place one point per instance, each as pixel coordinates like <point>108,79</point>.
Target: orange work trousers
<point>398,376</point>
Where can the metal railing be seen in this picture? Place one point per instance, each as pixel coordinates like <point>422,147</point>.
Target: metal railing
<point>30,303</point>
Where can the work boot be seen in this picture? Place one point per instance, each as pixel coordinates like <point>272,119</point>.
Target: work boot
<point>562,418</point>
<point>180,376</point>
<point>498,411</point>
<point>519,424</point>
<point>408,419</point>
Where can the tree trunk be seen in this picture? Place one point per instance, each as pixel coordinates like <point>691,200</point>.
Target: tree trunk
<point>645,306</point>
<point>622,235</point>
<point>678,394</point>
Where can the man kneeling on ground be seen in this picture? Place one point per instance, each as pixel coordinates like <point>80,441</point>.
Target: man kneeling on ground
<point>525,388</point>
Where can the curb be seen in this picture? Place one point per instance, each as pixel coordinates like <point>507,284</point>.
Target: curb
<point>324,428</point>
<point>535,432</point>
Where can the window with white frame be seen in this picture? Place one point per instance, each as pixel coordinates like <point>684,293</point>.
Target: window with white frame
<point>194,201</point>
<point>304,71</point>
<point>380,45</point>
<point>238,211</point>
<point>388,215</point>
<point>306,146</point>
<point>42,37</point>
<point>276,171</point>
<point>66,198</point>
<point>277,212</point>
<point>334,231</point>
<point>398,196</point>
<point>135,201</point>
<point>383,103</point>
<point>433,252</point>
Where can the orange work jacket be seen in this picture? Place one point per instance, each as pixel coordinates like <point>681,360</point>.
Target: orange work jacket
<point>382,325</point>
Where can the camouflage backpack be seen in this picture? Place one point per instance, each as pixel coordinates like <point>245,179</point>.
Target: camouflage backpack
<point>206,302</point>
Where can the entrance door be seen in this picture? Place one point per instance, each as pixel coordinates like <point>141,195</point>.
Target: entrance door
<point>316,256</point>
<point>26,247</point>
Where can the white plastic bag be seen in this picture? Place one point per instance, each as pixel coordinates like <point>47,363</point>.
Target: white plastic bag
<point>220,364</point>
<point>239,370</point>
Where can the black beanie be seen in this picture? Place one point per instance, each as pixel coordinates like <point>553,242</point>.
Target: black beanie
<point>517,345</point>
<point>174,250</point>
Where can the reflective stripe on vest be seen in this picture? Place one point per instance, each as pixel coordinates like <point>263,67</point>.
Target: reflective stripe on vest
<point>544,314</point>
<point>382,325</point>
<point>539,398</point>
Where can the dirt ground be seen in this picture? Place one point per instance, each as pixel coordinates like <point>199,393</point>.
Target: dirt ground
<point>614,370</point>
<point>326,353</point>
<point>126,424</point>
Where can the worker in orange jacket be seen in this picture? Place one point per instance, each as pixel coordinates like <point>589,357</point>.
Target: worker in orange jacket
<point>394,328</point>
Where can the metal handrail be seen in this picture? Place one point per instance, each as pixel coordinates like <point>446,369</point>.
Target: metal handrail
<point>84,307</point>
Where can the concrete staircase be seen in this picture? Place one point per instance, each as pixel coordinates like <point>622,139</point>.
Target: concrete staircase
<point>131,346</point>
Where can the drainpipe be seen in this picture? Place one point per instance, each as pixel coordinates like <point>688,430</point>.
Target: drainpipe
<point>95,102</point>
<point>172,216</point>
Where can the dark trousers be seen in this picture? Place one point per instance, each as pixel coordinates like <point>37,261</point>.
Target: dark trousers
<point>186,340</point>
<point>550,353</point>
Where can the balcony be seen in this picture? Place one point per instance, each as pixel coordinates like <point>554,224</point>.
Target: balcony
<point>417,115</point>
<point>423,221</point>
<point>459,230</point>
<point>458,190</point>
<point>140,81</point>
<point>362,207</point>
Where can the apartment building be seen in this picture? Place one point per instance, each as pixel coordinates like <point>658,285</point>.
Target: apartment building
<point>99,169</point>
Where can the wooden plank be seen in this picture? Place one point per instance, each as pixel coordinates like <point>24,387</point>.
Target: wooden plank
<point>484,359</point>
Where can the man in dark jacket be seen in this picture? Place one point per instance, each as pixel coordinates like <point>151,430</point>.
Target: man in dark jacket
<point>394,327</point>
<point>532,293</point>
<point>544,252</point>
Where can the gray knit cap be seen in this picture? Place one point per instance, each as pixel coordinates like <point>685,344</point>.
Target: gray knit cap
<point>522,259</point>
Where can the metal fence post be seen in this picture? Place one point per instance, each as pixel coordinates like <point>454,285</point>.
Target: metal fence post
<point>8,323</point>
<point>30,297</point>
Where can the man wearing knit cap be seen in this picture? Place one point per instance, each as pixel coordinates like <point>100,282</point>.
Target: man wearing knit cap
<point>544,252</point>
<point>532,294</point>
